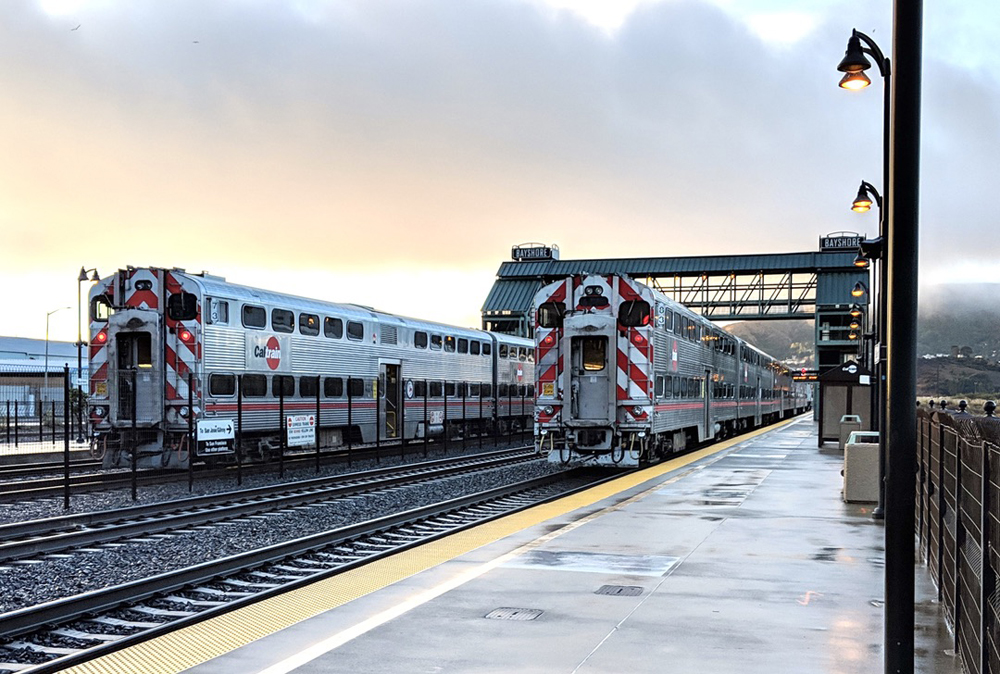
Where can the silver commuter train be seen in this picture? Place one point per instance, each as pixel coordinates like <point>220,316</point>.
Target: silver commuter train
<point>626,375</point>
<point>169,348</point>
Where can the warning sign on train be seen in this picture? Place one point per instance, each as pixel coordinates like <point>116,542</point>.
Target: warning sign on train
<point>301,429</point>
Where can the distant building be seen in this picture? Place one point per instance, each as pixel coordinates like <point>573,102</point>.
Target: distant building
<point>23,379</point>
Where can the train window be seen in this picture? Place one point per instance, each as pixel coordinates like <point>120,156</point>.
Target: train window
<point>487,348</point>
<point>282,320</point>
<point>487,390</point>
<point>182,307</point>
<point>449,389</point>
<point>449,344</point>
<point>282,385</point>
<point>660,380</point>
<point>100,309</point>
<point>474,348</point>
<point>531,390</point>
<point>308,325</point>
<point>355,331</point>
<point>531,355</point>
<point>221,385</point>
<point>550,314</point>
<point>633,313</point>
<point>308,386</point>
<point>594,353</point>
<point>218,311</point>
<point>503,390</point>
<point>463,345</point>
<point>435,389</point>
<point>254,317</point>
<point>436,342</point>
<point>333,387</point>
<point>474,388</point>
<point>355,386</point>
<point>333,327</point>
<point>667,386</point>
<point>675,387</point>
<point>503,350</point>
<point>463,390</point>
<point>522,354</point>
<point>419,389</point>
<point>254,385</point>
<point>420,340</point>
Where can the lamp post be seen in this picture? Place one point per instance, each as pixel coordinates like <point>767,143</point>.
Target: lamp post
<point>45,376</point>
<point>79,347</point>
<point>874,249</point>
<point>902,184</point>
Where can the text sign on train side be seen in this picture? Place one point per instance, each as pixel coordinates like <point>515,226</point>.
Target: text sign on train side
<point>269,353</point>
<point>216,436</point>
<point>301,429</point>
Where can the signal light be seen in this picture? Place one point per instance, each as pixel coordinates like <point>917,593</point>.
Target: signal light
<point>186,336</point>
<point>549,340</point>
<point>101,337</point>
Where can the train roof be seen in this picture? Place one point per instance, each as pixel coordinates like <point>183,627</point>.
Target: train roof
<point>217,286</point>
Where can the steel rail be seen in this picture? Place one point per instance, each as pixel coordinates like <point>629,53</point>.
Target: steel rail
<point>474,508</point>
<point>45,536</point>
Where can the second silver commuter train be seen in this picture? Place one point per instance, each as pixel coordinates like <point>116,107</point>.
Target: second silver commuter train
<point>169,349</point>
<point>626,375</point>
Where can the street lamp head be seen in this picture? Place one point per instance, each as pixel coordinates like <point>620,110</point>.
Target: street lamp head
<point>863,202</point>
<point>852,336</point>
<point>854,60</point>
<point>861,262</point>
<point>855,311</point>
<point>854,325</point>
<point>858,290</point>
<point>854,81</point>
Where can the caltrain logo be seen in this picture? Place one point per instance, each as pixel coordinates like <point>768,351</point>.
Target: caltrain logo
<point>270,352</point>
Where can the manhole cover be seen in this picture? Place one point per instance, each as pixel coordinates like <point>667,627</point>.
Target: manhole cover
<point>514,614</point>
<point>620,590</point>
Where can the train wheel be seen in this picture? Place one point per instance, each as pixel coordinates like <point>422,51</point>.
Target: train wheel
<point>98,447</point>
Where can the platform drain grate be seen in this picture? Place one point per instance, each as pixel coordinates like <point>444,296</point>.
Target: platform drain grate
<point>514,614</point>
<point>620,590</point>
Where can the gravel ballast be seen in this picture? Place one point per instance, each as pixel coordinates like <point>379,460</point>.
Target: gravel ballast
<point>57,576</point>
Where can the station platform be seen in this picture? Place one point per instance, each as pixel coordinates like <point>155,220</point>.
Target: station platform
<point>33,451</point>
<point>741,557</point>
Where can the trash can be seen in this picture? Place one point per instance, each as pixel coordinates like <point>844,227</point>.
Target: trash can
<point>848,424</point>
<point>861,467</point>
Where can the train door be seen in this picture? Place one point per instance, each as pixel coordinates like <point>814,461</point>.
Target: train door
<point>136,349</point>
<point>591,378</point>
<point>709,428</point>
<point>390,415</point>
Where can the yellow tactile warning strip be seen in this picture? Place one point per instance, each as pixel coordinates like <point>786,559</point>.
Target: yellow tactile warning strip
<point>211,638</point>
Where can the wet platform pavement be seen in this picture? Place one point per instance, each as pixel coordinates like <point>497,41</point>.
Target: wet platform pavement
<point>742,558</point>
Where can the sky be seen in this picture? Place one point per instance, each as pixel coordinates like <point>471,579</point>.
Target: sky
<point>390,152</point>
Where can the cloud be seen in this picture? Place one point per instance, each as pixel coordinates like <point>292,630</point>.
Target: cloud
<point>360,136</point>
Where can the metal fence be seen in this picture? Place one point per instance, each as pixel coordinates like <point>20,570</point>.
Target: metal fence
<point>958,472</point>
<point>32,408</point>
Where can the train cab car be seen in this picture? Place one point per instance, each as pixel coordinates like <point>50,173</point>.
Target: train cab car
<point>625,375</point>
<point>170,349</point>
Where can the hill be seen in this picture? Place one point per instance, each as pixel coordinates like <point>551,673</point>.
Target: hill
<point>792,342</point>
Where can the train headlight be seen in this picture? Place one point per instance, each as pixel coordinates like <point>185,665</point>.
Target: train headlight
<point>593,290</point>
<point>548,410</point>
<point>100,412</point>
<point>184,411</point>
<point>637,411</point>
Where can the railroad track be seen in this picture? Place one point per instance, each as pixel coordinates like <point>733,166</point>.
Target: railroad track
<point>20,490</point>
<point>59,634</point>
<point>23,540</point>
<point>22,470</point>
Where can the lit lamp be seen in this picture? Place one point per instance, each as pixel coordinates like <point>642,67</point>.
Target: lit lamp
<point>859,289</point>
<point>855,311</point>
